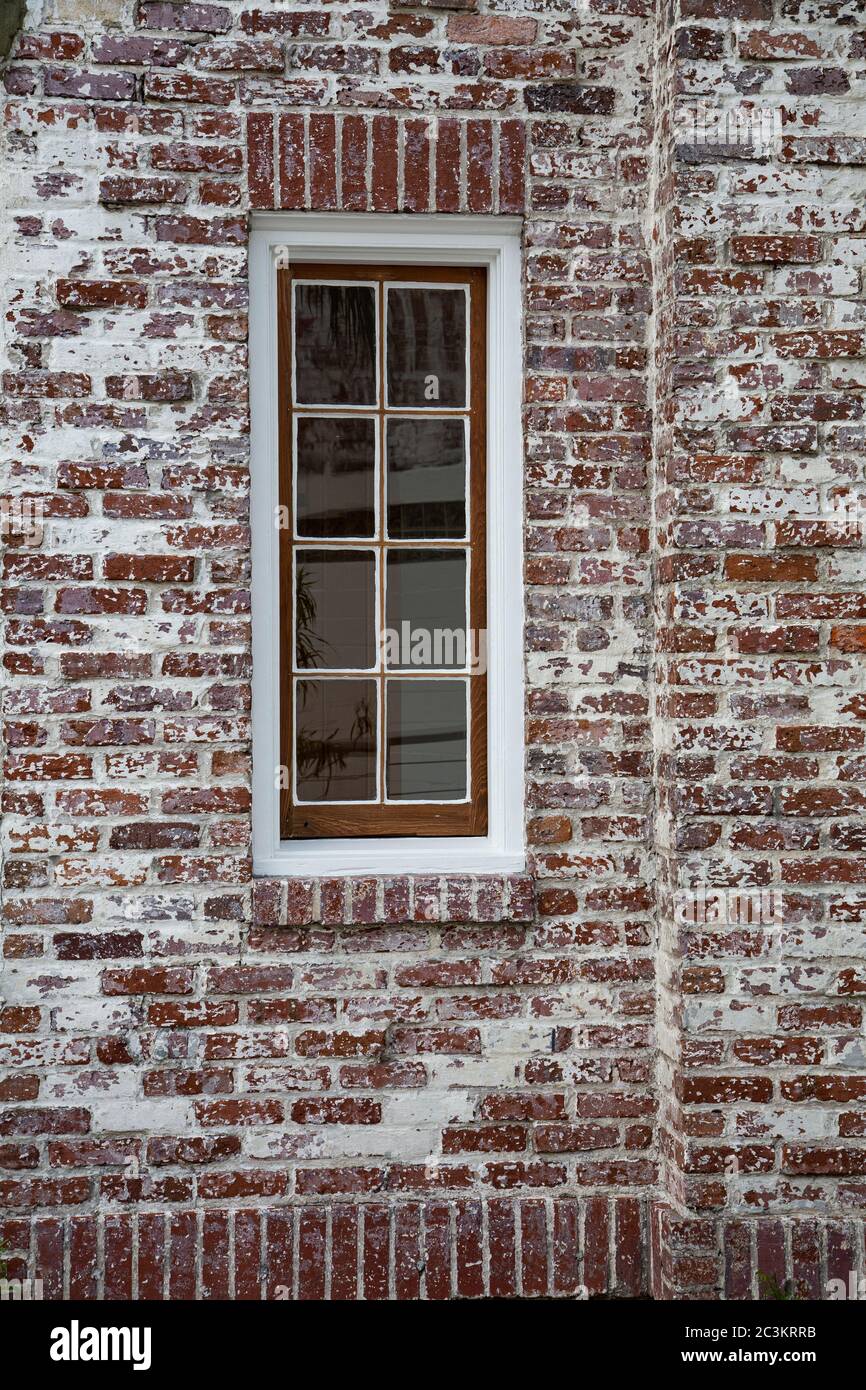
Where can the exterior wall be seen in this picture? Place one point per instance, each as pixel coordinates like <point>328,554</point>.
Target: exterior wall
<point>180,1039</point>
<point>439,1087</point>
<point>759,670</point>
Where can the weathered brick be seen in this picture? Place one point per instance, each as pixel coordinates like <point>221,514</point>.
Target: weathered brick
<point>693,686</point>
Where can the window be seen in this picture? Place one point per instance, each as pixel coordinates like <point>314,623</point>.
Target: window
<point>383,697</point>
<point>386,520</point>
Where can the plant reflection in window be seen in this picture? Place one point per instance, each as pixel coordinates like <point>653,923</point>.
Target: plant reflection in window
<point>321,756</point>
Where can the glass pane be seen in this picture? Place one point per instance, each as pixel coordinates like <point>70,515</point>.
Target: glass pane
<point>426,747</point>
<point>426,609</point>
<point>427,347</point>
<point>426,478</point>
<point>336,477</point>
<point>335,608</point>
<point>335,344</point>
<point>335,740</point>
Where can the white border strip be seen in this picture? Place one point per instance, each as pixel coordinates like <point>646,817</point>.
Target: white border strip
<point>442,240</point>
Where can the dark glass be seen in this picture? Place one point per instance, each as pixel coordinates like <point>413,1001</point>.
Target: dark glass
<point>335,344</point>
<point>426,592</point>
<point>426,478</point>
<point>336,478</point>
<point>426,740</point>
<point>335,740</point>
<point>335,609</point>
<point>426,349</point>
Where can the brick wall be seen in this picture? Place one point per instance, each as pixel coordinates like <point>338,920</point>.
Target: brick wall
<point>437,1087</point>
<point>759,699</point>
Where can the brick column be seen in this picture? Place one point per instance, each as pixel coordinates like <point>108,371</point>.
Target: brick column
<point>760,692</point>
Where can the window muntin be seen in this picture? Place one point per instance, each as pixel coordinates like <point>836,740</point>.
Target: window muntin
<point>383,719</point>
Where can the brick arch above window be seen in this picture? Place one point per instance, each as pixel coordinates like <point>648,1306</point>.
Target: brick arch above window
<point>383,163</point>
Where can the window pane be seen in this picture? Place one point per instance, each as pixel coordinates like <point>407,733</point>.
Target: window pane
<point>335,740</point>
<point>427,347</point>
<point>426,740</point>
<point>426,478</point>
<point>335,344</point>
<point>335,608</point>
<point>336,476</point>
<point>426,608</point>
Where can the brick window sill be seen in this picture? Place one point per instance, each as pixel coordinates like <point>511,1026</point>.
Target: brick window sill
<point>482,898</point>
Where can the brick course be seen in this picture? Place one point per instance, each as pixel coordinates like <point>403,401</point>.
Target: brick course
<point>450,1084</point>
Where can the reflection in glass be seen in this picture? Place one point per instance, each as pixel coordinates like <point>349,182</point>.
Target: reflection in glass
<point>335,344</point>
<point>426,348</point>
<point>425,608</point>
<point>426,478</point>
<point>335,608</point>
<point>336,479</point>
<point>426,740</point>
<point>335,740</point>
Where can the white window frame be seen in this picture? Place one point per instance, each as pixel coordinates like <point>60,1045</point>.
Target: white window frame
<point>436,240</point>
